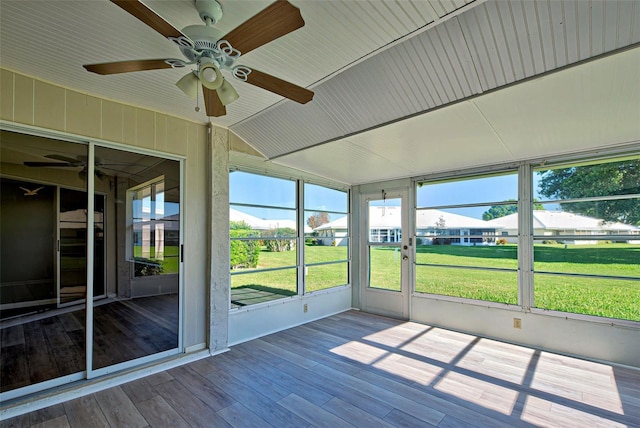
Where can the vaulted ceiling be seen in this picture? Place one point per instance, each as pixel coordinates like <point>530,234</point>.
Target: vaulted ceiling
<point>402,88</point>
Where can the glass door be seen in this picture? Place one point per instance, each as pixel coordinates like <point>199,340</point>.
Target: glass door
<point>386,253</point>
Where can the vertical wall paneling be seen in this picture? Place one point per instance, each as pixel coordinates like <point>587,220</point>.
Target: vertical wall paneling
<point>6,95</point>
<point>23,99</point>
<point>112,121</point>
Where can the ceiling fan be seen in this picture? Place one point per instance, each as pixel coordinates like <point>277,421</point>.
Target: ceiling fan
<point>79,162</point>
<point>210,53</point>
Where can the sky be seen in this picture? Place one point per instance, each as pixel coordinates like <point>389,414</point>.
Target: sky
<point>263,190</point>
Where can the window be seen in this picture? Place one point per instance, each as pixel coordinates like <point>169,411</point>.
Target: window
<point>267,228</point>
<point>263,238</point>
<point>155,230</point>
<point>587,239</point>
<point>326,250</point>
<point>461,248</point>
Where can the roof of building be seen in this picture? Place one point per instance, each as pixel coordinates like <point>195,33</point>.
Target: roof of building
<point>262,224</point>
<point>390,218</point>
<point>560,220</point>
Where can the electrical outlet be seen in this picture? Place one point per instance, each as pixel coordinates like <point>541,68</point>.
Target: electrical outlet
<point>306,308</point>
<point>517,323</point>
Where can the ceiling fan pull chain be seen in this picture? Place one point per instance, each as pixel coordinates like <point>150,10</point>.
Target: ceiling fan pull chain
<point>197,101</point>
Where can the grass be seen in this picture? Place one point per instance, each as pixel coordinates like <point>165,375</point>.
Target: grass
<point>171,261</point>
<point>613,298</point>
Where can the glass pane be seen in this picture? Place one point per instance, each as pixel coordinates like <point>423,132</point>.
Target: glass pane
<point>384,267</point>
<point>73,246</point>
<point>385,221</point>
<point>156,226</point>
<point>255,189</point>
<point>326,276</point>
<point>468,191</point>
<point>323,224</point>
<point>492,256</point>
<point>318,253</point>
<point>609,298</point>
<point>249,289</point>
<point>319,198</point>
<point>144,192</point>
<point>601,218</point>
<point>467,226</point>
<point>277,253</point>
<point>42,341</point>
<point>583,181</point>
<point>493,286</point>
<point>588,257</point>
<point>267,221</point>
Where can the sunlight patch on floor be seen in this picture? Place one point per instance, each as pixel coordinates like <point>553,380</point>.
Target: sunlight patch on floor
<point>545,413</point>
<point>478,392</point>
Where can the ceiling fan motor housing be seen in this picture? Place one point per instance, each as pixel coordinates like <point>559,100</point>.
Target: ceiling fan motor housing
<point>210,11</point>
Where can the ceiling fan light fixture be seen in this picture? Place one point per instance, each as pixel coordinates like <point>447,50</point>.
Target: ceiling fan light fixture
<point>227,93</point>
<point>189,85</point>
<point>210,76</point>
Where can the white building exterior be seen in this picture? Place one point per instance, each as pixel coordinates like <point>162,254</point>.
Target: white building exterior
<point>558,223</point>
<point>431,225</point>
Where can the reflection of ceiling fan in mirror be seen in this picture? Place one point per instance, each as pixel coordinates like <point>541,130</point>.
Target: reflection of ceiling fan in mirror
<point>79,162</point>
<point>210,54</point>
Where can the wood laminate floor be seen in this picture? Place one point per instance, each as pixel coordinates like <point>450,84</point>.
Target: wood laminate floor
<point>355,369</point>
<point>53,344</point>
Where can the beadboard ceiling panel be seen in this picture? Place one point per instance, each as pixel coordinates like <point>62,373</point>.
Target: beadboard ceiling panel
<point>423,72</point>
<point>510,41</point>
<point>491,45</point>
<point>587,107</point>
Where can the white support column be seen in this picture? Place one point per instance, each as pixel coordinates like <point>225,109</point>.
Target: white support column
<point>525,237</point>
<point>219,279</point>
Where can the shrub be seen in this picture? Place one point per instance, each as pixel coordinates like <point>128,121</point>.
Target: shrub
<point>501,241</point>
<point>549,242</point>
<point>243,253</point>
<point>147,267</point>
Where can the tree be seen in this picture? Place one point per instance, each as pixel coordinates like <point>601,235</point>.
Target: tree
<point>441,230</point>
<point>317,219</point>
<point>607,179</point>
<point>279,239</point>
<point>497,211</point>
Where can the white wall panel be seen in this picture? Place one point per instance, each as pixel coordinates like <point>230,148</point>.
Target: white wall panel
<point>592,340</point>
<point>257,321</point>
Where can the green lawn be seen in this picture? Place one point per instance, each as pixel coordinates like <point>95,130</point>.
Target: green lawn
<point>171,261</point>
<point>613,298</point>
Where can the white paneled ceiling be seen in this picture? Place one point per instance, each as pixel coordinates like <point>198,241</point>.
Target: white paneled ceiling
<point>402,87</point>
<point>591,106</point>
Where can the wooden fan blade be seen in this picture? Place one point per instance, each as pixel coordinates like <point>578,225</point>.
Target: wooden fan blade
<point>279,86</point>
<point>48,164</point>
<point>212,103</point>
<point>149,17</point>
<point>126,66</point>
<point>275,21</point>
<point>64,159</point>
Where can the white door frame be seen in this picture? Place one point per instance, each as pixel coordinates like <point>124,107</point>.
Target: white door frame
<point>375,300</point>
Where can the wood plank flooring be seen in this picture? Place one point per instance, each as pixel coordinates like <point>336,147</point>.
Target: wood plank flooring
<point>54,346</point>
<point>356,369</point>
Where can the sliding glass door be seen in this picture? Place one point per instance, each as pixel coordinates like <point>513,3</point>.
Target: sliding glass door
<point>127,267</point>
